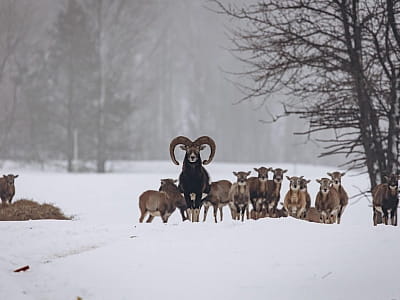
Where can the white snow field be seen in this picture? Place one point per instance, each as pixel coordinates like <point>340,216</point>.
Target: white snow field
<point>104,253</point>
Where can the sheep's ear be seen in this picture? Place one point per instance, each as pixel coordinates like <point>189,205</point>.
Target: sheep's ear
<point>329,174</point>
<point>342,174</point>
<point>318,180</point>
<point>270,169</point>
<point>308,181</point>
<point>284,171</point>
<point>175,180</point>
<point>5,176</point>
<point>288,178</point>
<point>301,177</point>
<point>234,173</point>
<point>15,176</point>
<point>202,147</point>
<point>248,173</point>
<point>255,169</point>
<point>386,178</point>
<point>182,147</point>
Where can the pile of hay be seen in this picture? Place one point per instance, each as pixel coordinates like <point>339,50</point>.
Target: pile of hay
<point>23,209</point>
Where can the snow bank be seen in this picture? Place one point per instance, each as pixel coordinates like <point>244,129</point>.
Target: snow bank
<point>105,254</point>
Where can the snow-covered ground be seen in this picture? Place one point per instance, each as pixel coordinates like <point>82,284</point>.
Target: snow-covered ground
<point>105,254</point>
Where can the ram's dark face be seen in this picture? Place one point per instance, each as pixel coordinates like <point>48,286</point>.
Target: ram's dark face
<point>262,173</point>
<point>393,181</point>
<point>193,152</point>
<point>324,185</point>
<point>278,175</point>
<point>241,177</point>
<point>336,178</point>
<point>10,178</point>
<point>294,182</point>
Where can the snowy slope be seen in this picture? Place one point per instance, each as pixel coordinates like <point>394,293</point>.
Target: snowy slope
<point>105,254</point>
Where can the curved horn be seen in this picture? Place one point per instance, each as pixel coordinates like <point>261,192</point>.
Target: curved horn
<point>177,141</point>
<point>210,142</point>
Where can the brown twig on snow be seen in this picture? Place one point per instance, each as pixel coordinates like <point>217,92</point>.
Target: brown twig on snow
<point>22,269</point>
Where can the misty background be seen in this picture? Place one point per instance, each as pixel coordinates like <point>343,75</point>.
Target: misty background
<point>86,82</point>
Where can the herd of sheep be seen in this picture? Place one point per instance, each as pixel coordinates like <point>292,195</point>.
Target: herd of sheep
<point>255,197</point>
<point>250,197</point>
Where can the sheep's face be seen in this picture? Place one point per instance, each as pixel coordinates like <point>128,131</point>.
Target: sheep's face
<point>324,185</point>
<point>393,181</point>
<point>193,152</point>
<point>294,182</point>
<point>278,175</point>
<point>10,178</point>
<point>303,184</point>
<point>336,178</point>
<point>165,182</point>
<point>262,173</point>
<point>241,177</point>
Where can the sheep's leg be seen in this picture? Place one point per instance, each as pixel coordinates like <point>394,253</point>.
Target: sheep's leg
<point>150,219</point>
<point>323,217</point>
<point>197,206</point>
<point>341,213</point>
<point>164,218</point>
<point>182,211</point>
<point>220,212</point>
<point>393,212</point>
<point>232,209</point>
<point>197,214</point>
<point>206,207</point>
<point>189,213</point>
<point>143,215</point>
<point>385,216</point>
<point>375,217</point>
<point>300,211</point>
<point>215,207</point>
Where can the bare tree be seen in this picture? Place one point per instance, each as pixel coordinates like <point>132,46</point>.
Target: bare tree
<point>16,21</point>
<point>335,60</point>
<point>119,28</point>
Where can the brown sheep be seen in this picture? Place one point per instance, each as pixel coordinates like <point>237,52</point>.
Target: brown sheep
<point>344,198</point>
<point>274,191</point>
<point>169,186</point>
<point>258,189</point>
<point>386,200</point>
<point>239,196</point>
<point>7,188</point>
<point>327,201</point>
<point>293,203</point>
<point>155,203</point>
<point>279,213</point>
<point>305,196</point>
<point>313,215</point>
<point>218,197</point>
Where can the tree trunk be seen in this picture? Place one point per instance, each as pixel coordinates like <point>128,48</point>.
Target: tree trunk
<point>70,138</point>
<point>100,156</point>
<point>371,142</point>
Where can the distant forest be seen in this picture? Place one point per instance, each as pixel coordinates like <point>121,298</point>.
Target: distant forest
<point>94,80</point>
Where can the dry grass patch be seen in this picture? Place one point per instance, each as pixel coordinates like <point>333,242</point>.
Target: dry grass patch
<point>23,210</point>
